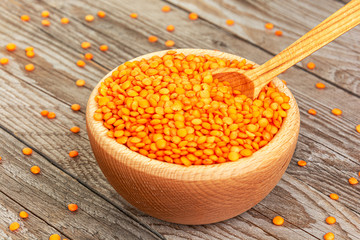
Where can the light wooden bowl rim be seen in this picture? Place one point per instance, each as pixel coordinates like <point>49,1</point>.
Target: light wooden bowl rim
<point>192,173</point>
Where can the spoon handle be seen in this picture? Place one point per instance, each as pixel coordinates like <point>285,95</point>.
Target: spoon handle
<point>338,23</point>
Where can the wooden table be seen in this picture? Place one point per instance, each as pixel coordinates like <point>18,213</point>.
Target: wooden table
<point>328,143</point>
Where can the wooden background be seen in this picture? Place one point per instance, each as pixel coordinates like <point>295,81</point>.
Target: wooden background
<point>328,143</point>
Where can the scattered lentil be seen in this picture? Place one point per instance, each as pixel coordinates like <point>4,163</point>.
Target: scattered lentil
<point>193,16</point>
<point>358,128</point>
<point>55,237</point>
<point>75,129</point>
<point>152,39</point>
<point>75,107</point>
<point>25,18</point>
<point>64,20</point>
<point>353,181</point>
<point>169,43</point>
<point>30,54</point>
<point>311,65</point>
<point>278,220</point>
<point>89,18</point>
<point>44,113</point>
<point>269,26</point>
<point>88,56</point>
<point>329,236</point>
<point>133,15</point>
<point>11,47</point>
<point>35,169</point>
<point>330,220</point>
<point>4,61</point>
<point>170,28</point>
<point>29,49</point>
<point>14,226</point>
<point>81,63</point>
<point>334,196</point>
<point>80,82</point>
<point>278,33</point>
<point>336,111</point>
<point>301,163</point>
<point>51,115</point>
<point>72,207</point>
<point>320,85</point>
<point>27,151</point>
<point>104,48</point>
<point>23,214</point>
<point>45,14</point>
<point>312,111</point>
<point>45,22</point>
<point>101,14</point>
<point>29,67</point>
<point>166,8</point>
<point>85,45</point>
<point>73,154</point>
<point>230,22</point>
<point>174,98</point>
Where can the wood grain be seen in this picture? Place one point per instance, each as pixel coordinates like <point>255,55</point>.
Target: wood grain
<point>337,63</point>
<point>333,139</point>
<point>47,195</point>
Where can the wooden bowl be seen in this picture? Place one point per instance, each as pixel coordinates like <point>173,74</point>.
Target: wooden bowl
<point>196,194</point>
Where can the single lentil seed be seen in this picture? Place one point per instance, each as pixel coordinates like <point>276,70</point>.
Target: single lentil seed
<point>44,113</point>
<point>330,220</point>
<point>75,107</point>
<point>51,115</point>
<point>45,22</point>
<point>72,207</point>
<point>75,129</point>
<point>85,45</point>
<point>166,8</point>
<point>278,33</point>
<point>25,18</point>
<point>81,63</point>
<point>193,16</point>
<point>336,111</point>
<point>103,48</point>
<point>23,214</point>
<point>80,82</point>
<point>88,56</point>
<point>169,43</point>
<point>358,128</point>
<point>89,18</point>
<point>30,54</point>
<point>152,39</point>
<point>269,26</point>
<point>301,163</point>
<point>14,226</point>
<point>45,14</point>
<point>133,15</point>
<point>29,67</point>
<point>101,14</point>
<point>329,236</point>
<point>55,237</point>
<point>170,28</point>
<point>278,221</point>
<point>320,85</point>
<point>353,181</point>
<point>230,22</point>
<point>64,20</point>
<point>27,151</point>
<point>35,169</point>
<point>11,47</point>
<point>334,196</point>
<point>73,153</point>
<point>4,61</point>
<point>312,111</point>
<point>310,65</point>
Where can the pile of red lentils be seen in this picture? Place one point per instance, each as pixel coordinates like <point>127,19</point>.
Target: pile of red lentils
<point>170,108</point>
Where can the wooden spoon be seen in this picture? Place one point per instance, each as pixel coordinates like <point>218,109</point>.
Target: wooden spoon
<point>252,81</point>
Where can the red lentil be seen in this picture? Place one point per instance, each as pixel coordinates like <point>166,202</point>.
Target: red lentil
<point>329,236</point>
<point>152,39</point>
<point>334,196</point>
<point>301,163</point>
<point>330,220</point>
<point>29,67</point>
<point>312,111</point>
<point>11,47</point>
<point>80,82</point>
<point>101,14</point>
<point>45,22</point>
<point>193,16</point>
<point>72,207</point>
<point>55,237</point>
<point>104,48</point>
<point>80,63</point>
<point>169,43</point>
<point>35,169</point>
<point>358,128</point>
<point>310,65</point>
<point>170,28</point>
<point>336,111</point>
<point>278,33</point>
<point>269,26</point>
<point>64,20</point>
<point>30,54</point>
<point>44,113</point>
<point>89,18</point>
<point>75,107</point>
<point>278,220</point>
<point>320,85</point>
<point>230,22</point>
<point>88,56</point>
<point>25,18</point>
<point>353,181</point>
<point>29,49</point>
<point>133,15</point>
<point>4,61</point>
<point>45,14</point>
<point>27,151</point>
<point>171,109</point>
<point>166,8</point>
<point>85,45</point>
<point>14,226</point>
<point>23,214</point>
<point>73,154</point>
<point>51,115</point>
<point>75,129</point>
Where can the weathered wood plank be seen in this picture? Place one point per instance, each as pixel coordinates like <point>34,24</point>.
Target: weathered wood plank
<point>337,63</point>
<point>30,228</point>
<point>47,195</point>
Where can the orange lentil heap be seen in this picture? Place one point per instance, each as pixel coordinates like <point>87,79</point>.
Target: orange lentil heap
<point>171,109</point>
